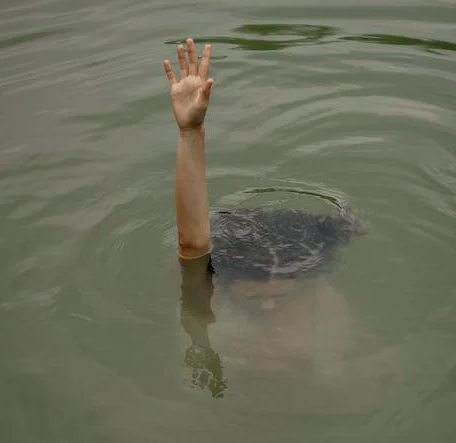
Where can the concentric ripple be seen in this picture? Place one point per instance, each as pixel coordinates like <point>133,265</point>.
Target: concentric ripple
<point>313,103</point>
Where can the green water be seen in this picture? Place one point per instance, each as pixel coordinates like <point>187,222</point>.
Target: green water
<point>349,99</point>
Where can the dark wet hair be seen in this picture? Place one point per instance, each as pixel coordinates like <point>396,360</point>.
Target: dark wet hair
<point>259,245</point>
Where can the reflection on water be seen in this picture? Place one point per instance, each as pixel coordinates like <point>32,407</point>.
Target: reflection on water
<point>400,40</point>
<point>307,34</point>
<point>311,34</point>
<point>196,317</point>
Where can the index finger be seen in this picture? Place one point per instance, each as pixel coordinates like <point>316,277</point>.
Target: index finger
<point>204,65</point>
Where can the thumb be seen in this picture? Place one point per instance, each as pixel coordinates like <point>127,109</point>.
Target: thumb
<point>207,88</point>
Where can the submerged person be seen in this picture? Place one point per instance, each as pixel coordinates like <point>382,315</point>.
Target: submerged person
<point>255,251</point>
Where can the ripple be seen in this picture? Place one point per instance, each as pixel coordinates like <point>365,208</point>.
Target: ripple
<point>312,34</point>
<point>31,37</point>
<point>307,34</point>
<point>314,106</point>
<point>327,198</point>
<point>369,13</point>
<point>381,39</point>
<point>376,124</point>
<point>241,198</point>
<point>130,113</point>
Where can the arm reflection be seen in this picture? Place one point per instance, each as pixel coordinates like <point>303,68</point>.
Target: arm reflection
<point>196,316</point>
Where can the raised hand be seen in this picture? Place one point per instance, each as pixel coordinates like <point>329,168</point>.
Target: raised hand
<point>190,95</point>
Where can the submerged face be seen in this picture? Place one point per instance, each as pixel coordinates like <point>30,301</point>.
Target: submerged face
<point>266,325</point>
<point>261,296</point>
<point>258,325</point>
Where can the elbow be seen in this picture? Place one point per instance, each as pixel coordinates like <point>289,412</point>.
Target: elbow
<point>194,246</point>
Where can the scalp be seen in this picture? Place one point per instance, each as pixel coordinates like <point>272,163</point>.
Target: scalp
<point>258,245</point>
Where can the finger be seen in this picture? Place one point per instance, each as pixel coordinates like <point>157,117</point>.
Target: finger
<point>183,65</point>
<point>207,88</point>
<point>192,57</point>
<point>204,65</point>
<point>169,73</point>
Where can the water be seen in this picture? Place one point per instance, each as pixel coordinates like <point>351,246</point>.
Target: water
<point>353,100</point>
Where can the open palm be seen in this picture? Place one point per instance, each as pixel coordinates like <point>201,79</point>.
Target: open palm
<point>190,96</point>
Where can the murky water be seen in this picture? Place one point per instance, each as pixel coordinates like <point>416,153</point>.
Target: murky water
<point>352,100</point>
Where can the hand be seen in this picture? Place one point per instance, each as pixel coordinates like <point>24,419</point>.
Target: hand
<point>190,96</point>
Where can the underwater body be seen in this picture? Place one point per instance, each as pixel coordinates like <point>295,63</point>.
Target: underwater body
<point>261,302</point>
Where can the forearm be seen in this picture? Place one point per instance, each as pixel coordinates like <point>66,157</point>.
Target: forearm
<point>191,195</point>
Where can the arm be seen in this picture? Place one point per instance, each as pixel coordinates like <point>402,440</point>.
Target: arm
<point>190,98</point>
<point>191,195</point>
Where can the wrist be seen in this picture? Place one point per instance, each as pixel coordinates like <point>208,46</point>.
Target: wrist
<point>192,131</point>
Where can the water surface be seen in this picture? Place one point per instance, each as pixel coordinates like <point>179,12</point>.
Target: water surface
<point>352,100</point>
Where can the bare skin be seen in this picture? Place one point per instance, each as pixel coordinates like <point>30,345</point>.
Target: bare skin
<point>190,99</point>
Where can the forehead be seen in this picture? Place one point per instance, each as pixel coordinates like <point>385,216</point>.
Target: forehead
<point>266,294</point>
<point>268,288</point>
<point>276,303</point>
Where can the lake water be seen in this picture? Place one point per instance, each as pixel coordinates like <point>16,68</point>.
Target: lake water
<point>354,100</point>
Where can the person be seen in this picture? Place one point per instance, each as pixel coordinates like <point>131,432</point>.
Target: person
<point>246,244</point>
<point>254,251</point>
<point>190,99</point>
